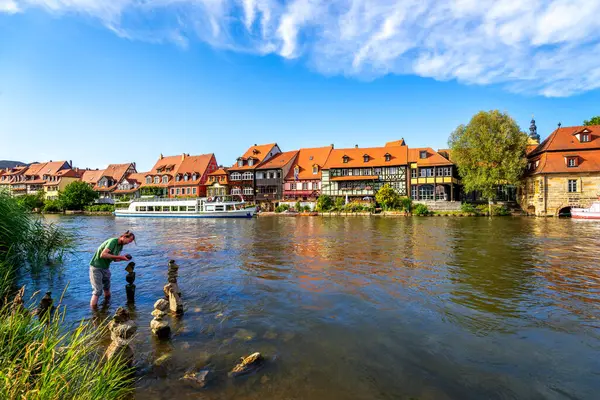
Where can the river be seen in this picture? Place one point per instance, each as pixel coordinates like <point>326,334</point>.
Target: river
<point>357,307</point>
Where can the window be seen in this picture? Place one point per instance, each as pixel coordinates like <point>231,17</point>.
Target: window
<point>585,137</point>
<point>315,169</point>
<point>572,186</point>
<point>237,191</point>
<point>248,191</point>
<point>278,174</point>
<point>194,191</point>
<point>426,192</point>
<point>292,186</point>
<point>304,185</point>
<point>236,176</point>
<point>185,177</point>
<point>194,177</point>
<point>250,161</point>
<point>165,179</point>
<point>240,163</point>
<point>157,179</point>
<point>187,191</point>
<point>413,173</point>
<point>423,154</point>
<point>178,191</point>
<point>247,176</point>
<point>172,191</point>
<point>388,157</point>
<point>414,192</point>
<point>178,178</point>
<point>345,159</point>
<point>366,158</point>
<point>572,162</point>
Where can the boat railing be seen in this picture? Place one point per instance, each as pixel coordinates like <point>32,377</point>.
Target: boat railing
<point>164,199</point>
<point>223,199</point>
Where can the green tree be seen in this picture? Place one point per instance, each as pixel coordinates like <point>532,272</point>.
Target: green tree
<point>489,151</point>
<point>592,121</point>
<point>152,191</point>
<point>388,198</point>
<point>76,196</point>
<point>32,201</point>
<point>339,203</point>
<point>324,203</point>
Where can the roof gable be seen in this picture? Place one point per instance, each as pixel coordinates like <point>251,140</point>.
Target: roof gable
<point>398,155</point>
<point>563,139</point>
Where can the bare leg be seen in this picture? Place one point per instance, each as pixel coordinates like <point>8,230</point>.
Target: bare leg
<point>94,301</point>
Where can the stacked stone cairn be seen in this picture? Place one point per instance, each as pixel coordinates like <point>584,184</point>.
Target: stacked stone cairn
<point>171,289</point>
<point>130,278</point>
<point>122,330</point>
<point>159,326</point>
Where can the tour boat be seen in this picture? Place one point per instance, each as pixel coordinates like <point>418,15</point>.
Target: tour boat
<point>587,213</point>
<point>210,207</point>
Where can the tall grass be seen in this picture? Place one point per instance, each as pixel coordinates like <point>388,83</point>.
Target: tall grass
<point>41,360</point>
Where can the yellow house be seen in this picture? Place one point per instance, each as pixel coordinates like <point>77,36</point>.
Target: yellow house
<point>59,181</point>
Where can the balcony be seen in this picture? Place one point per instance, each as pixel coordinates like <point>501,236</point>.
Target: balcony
<point>300,193</point>
<point>269,182</point>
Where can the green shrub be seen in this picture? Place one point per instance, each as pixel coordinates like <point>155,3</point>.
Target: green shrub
<point>31,201</point>
<point>339,204</point>
<point>307,209</point>
<point>76,196</point>
<point>298,207</point>
<point>406,203</point>
<point>281,208</point>
<point>420,210</point>
<point>100,208</point>
<point>324,203</point>
<point>354,207</point>
<point>500,211</point>
<point>52,206</point>
<point>388,197</point>
<point>469,208</point>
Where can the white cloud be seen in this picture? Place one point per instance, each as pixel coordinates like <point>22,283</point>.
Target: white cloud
<point>546,47</point>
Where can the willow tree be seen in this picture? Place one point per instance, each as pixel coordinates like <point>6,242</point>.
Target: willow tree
<point>489,151</point>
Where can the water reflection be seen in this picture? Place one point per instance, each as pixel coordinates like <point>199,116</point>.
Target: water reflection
<point>359,308</point>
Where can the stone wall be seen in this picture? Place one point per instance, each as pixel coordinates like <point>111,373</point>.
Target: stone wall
<point>546,195</point>
<point>439,205</point>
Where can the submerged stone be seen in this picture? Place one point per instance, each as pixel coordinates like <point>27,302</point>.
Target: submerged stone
<point>247,365</point>
<point>244,334</point>
<point>200,378</point>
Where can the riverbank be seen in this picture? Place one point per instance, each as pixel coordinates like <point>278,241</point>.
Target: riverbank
<point>390,214</point>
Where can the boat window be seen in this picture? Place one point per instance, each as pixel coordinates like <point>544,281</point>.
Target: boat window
<point>174,208</point>
<point>142,208</point>
<point>191,208</point>
<point>209,208</point>
<point>150,208</point>
<point>182,208</point>
<point>219,208</point>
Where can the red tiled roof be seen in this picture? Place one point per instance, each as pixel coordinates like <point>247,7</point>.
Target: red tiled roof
<point>91,176</point>
<point>191,165</point>
<point>433,157</point>
<point>139,177</point>
<point>400,142</point>
<point>564,139</point>
<point>258,152</point>
<point>68,173</point>
<point>116,171</point>
<point>220,171</point>
<point>399,156</point>
<point>279,160</point>
<point>305,161</point>
<point>555,162</point>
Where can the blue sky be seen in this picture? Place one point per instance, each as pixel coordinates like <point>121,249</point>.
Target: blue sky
<point>98,82</point>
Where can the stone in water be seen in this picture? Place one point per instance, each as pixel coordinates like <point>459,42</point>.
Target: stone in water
<point>248,364</point>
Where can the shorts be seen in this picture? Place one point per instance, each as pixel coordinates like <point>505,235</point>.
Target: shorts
<point>100,280</point>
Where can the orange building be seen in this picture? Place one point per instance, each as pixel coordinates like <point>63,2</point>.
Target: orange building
<point>218,184</point>
<point>432,176</point>
<point>303,180</point>
<point>110,180</point>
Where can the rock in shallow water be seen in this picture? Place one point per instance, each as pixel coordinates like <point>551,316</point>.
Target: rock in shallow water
<point>247,365</point>
<point>198,379</point>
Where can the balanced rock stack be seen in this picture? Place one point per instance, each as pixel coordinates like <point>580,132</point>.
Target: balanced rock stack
<point>122,330</point>
<point>159,326</point>
<point>130,278</point>
<point>171,289</point>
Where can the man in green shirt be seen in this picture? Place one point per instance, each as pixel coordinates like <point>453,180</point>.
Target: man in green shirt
<point>100,265</point>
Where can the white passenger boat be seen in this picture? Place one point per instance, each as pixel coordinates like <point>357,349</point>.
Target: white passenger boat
<point>587,213</point>
<point>217,207</point>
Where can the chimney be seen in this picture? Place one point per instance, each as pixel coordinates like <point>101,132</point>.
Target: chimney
<point>356,146</point>
<point>183,156</point>
<point>71,164</point>
<point>161,156</point>
<point>133,164</point>
<point>332,146</point>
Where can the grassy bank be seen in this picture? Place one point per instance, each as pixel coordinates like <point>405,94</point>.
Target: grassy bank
<point>40,360</point>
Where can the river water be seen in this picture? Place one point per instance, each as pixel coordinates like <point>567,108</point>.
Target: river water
<point>357,307</point>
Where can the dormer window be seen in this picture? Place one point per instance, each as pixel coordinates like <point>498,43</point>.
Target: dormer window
<point>185,177</point>
<point>423,154</point>
<point>572,162</point>
<point>165,179</point>
<point>178,178</point>
<point>315,169</point>
<point>388,157</point>
<point>366,158</point>
<point>250,161</point>
<point>194,177</point>
<point>240,163</point>
<point>310,158</point>
<point>585,137</point>
<point>345,159</point>
<point>157,180</point>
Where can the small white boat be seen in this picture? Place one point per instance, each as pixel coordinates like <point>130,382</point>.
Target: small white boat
<point>587,213</point>
<point>217,207</point>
